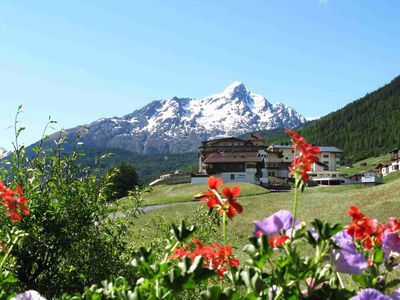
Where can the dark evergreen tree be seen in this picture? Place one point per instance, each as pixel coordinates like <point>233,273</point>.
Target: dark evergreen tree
<point>121,179</point>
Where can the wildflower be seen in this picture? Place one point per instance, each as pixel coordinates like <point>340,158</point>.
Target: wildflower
<point>228,205</point>
<point>346,259</point>
<point>231,201</point>
<point>390,238</point>
<point>12,201</point>
<point>29,295</point>
<point>368,231</point>
<point>305,155</point>
<point>214,182</point>
<point>371,294</point>
<point>277,226</point>
<point>215,257</point>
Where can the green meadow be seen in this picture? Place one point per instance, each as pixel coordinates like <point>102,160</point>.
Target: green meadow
<point>325,203</point>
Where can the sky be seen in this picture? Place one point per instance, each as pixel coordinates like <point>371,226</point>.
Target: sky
<point>78,61</point>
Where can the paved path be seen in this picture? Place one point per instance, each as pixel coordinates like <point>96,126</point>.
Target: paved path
<point>158,206</point>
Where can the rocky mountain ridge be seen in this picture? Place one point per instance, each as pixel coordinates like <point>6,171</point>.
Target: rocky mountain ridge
<point>180,124</point>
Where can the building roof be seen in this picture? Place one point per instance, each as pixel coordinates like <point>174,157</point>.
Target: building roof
<point>330,149</point>
<point>228,157</point>
<point>281,146</point>
<point>383,163</point>
<point>224,139</point>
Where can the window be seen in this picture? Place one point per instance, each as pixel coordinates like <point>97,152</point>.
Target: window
<point>325,156</point>
<point>232,176</point>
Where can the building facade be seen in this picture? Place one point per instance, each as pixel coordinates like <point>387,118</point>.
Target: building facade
<point>235,159</point>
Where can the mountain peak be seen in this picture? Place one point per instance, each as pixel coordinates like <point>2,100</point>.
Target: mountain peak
<point>236,89</point>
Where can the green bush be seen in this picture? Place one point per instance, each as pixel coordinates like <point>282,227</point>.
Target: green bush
<point>71,241</point>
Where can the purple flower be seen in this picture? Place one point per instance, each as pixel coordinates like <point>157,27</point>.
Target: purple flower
<point>29,295</point>
<point>278,223</point>
<point>347,259</point>
<point>314,233</point>
<point>390,242</point>
<point>370,294</point>
<point>395,295</point>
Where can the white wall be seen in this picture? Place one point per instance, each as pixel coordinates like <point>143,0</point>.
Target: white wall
<point>199,180</point>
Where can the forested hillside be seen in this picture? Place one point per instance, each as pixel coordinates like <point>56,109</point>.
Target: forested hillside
<point>366,127</point>
<point>148,166</point>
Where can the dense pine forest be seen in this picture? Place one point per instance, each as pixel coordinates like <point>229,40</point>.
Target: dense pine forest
<point>148,166</point>
<point>366,127</point>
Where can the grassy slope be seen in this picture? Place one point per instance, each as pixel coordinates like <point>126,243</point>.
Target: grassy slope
<point>164,194</point>
<point>327,203</point>
<point>371,164</point>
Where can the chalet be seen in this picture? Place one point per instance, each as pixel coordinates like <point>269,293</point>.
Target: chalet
<point>237,166</point>
<point>235,159</point>
<point>384,168</point>
<point>370,177</point>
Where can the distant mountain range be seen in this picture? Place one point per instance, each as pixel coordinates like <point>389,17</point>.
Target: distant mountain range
<point>179,124</point>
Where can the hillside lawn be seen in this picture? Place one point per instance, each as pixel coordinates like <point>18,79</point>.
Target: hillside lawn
<point>164,194</point>
<point>325,203</point>
<point>371,164</point>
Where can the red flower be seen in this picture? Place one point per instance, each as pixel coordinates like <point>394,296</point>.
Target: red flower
<point>228,205</point>
<point>12,201</point>
<point>305,155</point>
<point>366,230</point>
<point>355,213</point>
<point>214,183</point>
<point>231,201</point>
<point>276,241</point>
<point>215,257</point>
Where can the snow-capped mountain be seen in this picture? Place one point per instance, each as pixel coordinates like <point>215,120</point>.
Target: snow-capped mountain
<point>180,124</point>
<point>3,152</point>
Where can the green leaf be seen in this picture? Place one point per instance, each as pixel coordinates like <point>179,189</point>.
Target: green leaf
<point>361,279</point>
<point>378,256</point>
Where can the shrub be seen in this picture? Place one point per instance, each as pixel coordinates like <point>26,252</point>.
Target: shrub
<point>71,241</point>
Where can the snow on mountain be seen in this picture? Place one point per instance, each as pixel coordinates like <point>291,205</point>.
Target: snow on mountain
<point>180,124</point>
<point>3,152</point>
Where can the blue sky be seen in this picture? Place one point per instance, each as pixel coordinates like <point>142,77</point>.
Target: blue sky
<point>78,61</point>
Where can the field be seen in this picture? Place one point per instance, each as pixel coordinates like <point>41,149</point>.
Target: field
<point>165,194</point>
<point>326,203</point>
<point>370,164</point>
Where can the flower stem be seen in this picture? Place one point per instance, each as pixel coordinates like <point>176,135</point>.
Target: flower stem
<point>224,227</point>
<point>8,252</point>
<point>296,196</point>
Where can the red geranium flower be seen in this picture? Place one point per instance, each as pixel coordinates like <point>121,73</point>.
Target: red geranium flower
<point>231,201</point>
<point>276,241</point>
<point>12,201</point>
<point>228,205</point>
<point>305,155</point>
<point>215,257</point>
<point>366,230</point>
<point>214,182</point>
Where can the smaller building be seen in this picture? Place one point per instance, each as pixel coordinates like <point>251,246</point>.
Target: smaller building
<point>383,168</point>
<point>370,177</point>
<point>172,178</point>
<point>330,178</point>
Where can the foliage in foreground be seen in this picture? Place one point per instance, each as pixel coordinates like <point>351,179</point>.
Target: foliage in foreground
<point>365,252</point>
